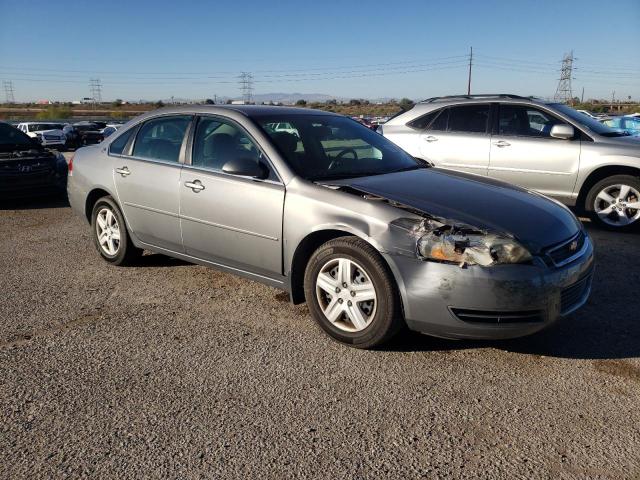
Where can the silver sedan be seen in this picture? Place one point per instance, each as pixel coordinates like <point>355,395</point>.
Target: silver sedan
<point>336,215</point>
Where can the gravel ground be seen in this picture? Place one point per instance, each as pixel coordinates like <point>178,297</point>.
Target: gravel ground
<point>169,370</point>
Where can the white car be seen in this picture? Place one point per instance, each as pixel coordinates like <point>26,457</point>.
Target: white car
<point>50,134</point>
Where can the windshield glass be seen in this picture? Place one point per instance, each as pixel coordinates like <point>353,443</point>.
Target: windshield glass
<point>587,122</point>
<point>327,147</point>
<point>12,137</point>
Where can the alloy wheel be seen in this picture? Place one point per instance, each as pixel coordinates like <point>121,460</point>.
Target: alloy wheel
<point>346,295</point>
<point>618,205</point>
<point>108,231</point>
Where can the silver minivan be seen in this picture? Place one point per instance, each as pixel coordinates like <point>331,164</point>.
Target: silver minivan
<point>548,147</point>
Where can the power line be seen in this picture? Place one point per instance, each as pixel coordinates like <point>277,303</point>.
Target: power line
<point>8,91</point>
<point>563,92</point>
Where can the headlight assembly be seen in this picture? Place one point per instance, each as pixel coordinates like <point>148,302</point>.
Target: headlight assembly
<point>447,245</point>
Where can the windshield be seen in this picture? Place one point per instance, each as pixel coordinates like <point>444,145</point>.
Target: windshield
<point>327,147</point>
<point>12,137</point>
<point>587,122</point>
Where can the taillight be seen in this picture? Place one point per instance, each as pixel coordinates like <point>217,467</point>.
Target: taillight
<point>70,166</point>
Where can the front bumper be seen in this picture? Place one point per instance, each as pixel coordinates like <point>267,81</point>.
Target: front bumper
<point>499,302</point>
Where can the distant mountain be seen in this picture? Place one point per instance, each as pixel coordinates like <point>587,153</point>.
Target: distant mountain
<point>293,97</point>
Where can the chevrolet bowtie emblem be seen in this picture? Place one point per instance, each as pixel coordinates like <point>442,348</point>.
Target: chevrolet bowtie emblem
<point>574,246</point>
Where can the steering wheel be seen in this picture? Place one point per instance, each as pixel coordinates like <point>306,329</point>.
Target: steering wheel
<point>336,160</point>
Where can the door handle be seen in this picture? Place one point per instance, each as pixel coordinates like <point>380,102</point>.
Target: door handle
<point>501,144</point>
<point>196,186</point>
<point>430,138</point>
<point>124,171</point>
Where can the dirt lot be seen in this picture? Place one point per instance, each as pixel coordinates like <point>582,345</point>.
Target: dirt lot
<point>168,370</point>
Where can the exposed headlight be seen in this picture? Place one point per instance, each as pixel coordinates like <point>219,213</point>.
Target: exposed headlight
<point>448,245</point>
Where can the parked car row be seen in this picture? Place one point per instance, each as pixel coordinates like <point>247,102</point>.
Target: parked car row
<point>373,238</point>
<point>64,136</point>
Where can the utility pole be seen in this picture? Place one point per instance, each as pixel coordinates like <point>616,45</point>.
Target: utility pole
<point>582,96</point>
<point>613,98</point>
<point>246,86</point>
<point>563,92</point>
<point>96,91</point>
<point>8,91</point>
<point>470,64</point>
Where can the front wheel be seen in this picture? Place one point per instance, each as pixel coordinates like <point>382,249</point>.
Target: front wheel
<point>110,234</point>
<point>351,293</point>
<point>614,202</point>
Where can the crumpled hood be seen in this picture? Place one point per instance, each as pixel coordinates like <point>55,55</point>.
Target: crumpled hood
<point>534,220</point>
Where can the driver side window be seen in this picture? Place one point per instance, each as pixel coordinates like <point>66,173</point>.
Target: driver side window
<point>217,141</point>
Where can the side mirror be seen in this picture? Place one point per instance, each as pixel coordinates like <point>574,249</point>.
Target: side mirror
<point>562,131</point>
<point>246,167</point>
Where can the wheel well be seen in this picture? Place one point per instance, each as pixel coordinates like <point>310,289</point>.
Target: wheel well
<point>600,174</point>
<point>301,257</point>
<point>92,198</point>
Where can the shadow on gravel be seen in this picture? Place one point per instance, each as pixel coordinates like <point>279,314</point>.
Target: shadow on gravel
<point>57,201</point>
<point>158,260</point>
<point>608,327</point>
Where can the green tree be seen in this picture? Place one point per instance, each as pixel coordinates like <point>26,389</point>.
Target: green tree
<point>406,104</point>
<point>301,103</point>
<point>159,104</point>
<point>208,101</point>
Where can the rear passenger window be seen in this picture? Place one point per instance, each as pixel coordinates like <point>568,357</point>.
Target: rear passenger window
<point>440,123</point>
<point>424,121</point>
<point>117,146</point>
<point>161,138</point>
<point>469,119</point>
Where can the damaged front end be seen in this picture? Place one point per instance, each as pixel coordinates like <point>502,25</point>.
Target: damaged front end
<point>441,240</point>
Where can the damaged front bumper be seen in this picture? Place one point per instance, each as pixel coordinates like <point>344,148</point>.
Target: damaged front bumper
<point>497,302</point>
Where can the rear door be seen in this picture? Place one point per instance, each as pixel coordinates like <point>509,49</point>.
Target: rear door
<point>458,138</point>
<point>524,153</point>
<point>147,180</point>
<point>229,219</point>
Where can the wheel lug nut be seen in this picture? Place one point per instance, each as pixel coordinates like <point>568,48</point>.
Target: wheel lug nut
<point>340,300</point>
<point>344,285</point>
<point>353,294</point>
<point>349,303</point>
<point>337,290</point>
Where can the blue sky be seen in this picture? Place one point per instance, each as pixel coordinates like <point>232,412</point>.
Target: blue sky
<point>195,49</point>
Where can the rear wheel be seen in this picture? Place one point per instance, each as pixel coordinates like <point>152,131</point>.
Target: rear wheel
<point>614,202</point>
<point>351,293</point>
<point>110,234</point>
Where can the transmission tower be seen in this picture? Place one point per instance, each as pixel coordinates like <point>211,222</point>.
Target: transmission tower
<point>246,85</point>
<point>8,91</point>
<point>96,90</point>
<point>563,92</point>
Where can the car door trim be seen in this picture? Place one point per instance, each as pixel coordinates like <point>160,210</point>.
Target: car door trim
<point>151,209</point>
<point>227,227</point>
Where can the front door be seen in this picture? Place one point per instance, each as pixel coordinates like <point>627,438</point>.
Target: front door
<point>227,219</point>
<point>524,153</point>
<point>147,181</point>
<point>459,139</point>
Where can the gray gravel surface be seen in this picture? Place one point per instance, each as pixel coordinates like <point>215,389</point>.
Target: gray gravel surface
<point>169,370</point>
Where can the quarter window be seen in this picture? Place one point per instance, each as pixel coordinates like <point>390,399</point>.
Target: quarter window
<point>520,120</point>
<point>117,146</point>
<point>424,121</point>
<point>161,138</point>
<point>217,141</point>
<point>440,123</point>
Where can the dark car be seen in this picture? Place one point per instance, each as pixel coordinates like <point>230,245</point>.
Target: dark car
<point>27,168</point>
<point>83,133</point>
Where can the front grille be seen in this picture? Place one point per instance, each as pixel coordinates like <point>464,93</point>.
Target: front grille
<point>567,251</point>
<point>498,317</point>
<point>572,296</point>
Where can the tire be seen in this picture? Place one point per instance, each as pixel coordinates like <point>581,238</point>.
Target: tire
<point>118,250</point>
<point>376,321</point>
<point>608,210</point>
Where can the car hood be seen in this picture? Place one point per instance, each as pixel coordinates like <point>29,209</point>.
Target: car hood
<point>533,219</point>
